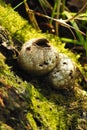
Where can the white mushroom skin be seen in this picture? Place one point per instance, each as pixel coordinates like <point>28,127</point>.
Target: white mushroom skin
<point>38,57</point>
<point>63,75</point>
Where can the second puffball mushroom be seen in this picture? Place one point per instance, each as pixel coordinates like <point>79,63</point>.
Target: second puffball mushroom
<point>37,56</point>
<point>63,75</point>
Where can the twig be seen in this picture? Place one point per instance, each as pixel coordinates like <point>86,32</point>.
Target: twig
<point>80,11</point>
<point>31,16</point>
<point>60,21</point>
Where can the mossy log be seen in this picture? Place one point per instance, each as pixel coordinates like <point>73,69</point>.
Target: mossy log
<point>28,103</point>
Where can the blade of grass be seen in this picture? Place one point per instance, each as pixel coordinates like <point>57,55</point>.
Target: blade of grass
<point>45,5</point>
<point>81,40</point>
<point>55,14</point>
<point>68,40</point>
<point>74,24</point>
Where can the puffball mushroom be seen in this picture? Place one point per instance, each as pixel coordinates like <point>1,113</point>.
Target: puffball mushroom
<point>38,57</point>
<point>63,75</point>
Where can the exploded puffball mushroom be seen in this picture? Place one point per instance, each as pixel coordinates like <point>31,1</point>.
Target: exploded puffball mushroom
<point>63,75</point>
<point>37,56</point>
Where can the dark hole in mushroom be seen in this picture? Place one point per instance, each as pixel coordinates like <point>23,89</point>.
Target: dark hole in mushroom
<point>42,43</point>
<point>71,74</point>
<point>64,63</point>
<point>57,71</point>
<point>57,57</point>
<point>46,63</point>
<point>28,48</point>
<point>40,65</point>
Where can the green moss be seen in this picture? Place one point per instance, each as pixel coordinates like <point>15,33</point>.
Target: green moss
<point>46,114</point>
<point>41,112</point>
<point>18,27</point>
<point>4,69</point>
<point>4,126</point>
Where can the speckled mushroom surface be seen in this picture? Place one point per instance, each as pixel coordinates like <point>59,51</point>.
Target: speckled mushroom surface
<point>63,75</point>
<point>37,56</point>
